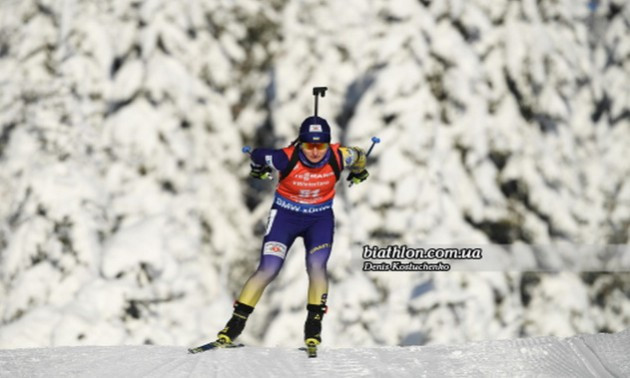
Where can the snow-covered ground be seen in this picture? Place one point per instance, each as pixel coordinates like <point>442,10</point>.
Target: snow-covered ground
<point>597,356</point>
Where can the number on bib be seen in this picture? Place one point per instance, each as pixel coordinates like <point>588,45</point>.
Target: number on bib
<point>306,193</point>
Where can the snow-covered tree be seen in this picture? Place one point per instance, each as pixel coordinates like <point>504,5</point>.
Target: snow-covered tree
<point>126,215</point>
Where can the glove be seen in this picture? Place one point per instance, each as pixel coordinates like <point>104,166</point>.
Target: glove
<point>261,172</point>
<point>357,178</point>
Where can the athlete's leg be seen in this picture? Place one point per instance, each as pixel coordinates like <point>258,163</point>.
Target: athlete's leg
<point>268,269</point>
<point>318,240</point>
<point>281,232</point>
<point>282,229</point>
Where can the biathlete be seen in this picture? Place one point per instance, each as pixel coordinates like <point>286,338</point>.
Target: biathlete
<point>302,207</point>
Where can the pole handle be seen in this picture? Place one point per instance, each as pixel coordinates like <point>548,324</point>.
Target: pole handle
<point>248,150</point>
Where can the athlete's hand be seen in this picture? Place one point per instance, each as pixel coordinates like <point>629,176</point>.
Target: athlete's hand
<point>261,172</point>
<point>357,178</point>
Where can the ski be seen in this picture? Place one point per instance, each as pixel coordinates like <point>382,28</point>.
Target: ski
<point>213,345</point>
<point>310,349</point>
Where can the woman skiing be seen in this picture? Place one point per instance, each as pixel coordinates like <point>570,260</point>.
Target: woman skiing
<point>308,171</point>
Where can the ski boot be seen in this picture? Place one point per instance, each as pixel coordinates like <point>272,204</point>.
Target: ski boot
<point>313,328</point>
<point>232,329</point>
<point>236,324</point>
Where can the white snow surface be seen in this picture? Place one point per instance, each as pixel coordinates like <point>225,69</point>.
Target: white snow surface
<point>127,216</point>
<point>601,355</point>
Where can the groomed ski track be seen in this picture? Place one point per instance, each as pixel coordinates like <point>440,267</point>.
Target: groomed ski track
<point>600,355</point>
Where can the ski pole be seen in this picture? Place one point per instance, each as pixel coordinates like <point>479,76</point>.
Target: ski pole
<point>375,140</point>
<point>248,150</point>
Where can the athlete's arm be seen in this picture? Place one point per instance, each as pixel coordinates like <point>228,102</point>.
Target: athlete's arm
<point>275,159</point>
<point>353,158</point>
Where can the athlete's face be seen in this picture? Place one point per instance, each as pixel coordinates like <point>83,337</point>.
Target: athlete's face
<point>314,152</point>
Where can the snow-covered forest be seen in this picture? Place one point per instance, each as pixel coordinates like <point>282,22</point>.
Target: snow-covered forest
<point>127,215</point>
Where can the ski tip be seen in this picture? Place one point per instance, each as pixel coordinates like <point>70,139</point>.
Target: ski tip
<point>311,348</point>
<point>214,345</point>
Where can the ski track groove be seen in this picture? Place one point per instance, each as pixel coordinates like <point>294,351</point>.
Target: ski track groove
<point>195,365</point>
<point>110,358</point>
<point>100,365</point>
<point>351,367</point>
<point>162,369</point>
<point>168,364</point>
<point>79,361</point>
